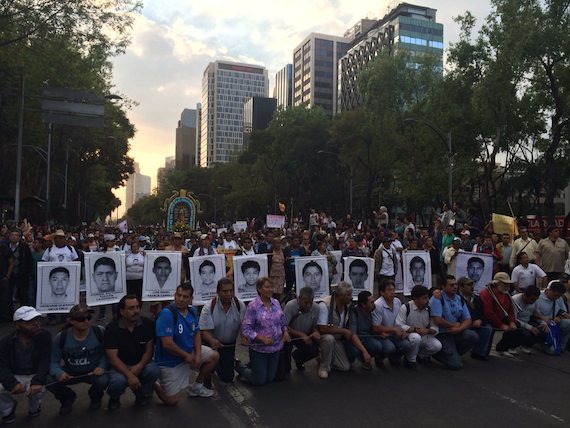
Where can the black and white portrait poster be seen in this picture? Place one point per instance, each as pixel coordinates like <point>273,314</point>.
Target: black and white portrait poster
<point>205,272</point>
<point>477,266</point>
<point>58,286</point>
<point>247,269</point>
<point>312,272</point>
<point>337,274</point>
<point>105,278</point>
<point>162,270</point>
<point>417,270</point>
<point>359,272</point>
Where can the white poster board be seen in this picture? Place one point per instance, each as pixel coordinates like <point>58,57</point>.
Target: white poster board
<point>205,272</point>
<point>247,269</point>
<point>105,277</point>
<point>416,270</point>
<point>337,276</point>
<point>312,272</point>
<point>58,286</point>
<point>477,266</point>
<point>239,226</point>
<point>275,221</point>
<point>161,275</point>
<point>359,272</point>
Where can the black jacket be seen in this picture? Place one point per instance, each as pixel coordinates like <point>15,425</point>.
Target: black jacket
<point>41,356</point>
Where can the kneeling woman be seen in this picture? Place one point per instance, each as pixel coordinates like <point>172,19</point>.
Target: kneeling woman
<point>265,328</point>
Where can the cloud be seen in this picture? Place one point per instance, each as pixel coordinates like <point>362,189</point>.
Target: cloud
<point>174,40</point>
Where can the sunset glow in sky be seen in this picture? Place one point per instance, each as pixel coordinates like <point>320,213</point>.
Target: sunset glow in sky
<point>174,40</point>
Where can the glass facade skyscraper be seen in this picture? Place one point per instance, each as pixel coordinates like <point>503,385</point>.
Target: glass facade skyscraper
<point>315,71</point>
<point>407,27</point>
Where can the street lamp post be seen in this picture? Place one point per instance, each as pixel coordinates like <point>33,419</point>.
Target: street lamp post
<point>349,167</point>
<point>446,139</point>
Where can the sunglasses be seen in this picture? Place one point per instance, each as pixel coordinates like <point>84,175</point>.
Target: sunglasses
<point>82,318</point>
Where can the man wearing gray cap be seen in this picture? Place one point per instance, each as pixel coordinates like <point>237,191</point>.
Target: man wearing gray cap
<point>24,364</point>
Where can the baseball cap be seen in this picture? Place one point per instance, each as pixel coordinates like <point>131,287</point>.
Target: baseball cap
<point>456,240</point>
<point>80,310</point>
<point>502,277</point>
<point>26,313</point>
<point>109,237</point>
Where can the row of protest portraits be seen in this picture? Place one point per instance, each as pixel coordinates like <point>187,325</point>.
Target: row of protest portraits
<point>105,276</point>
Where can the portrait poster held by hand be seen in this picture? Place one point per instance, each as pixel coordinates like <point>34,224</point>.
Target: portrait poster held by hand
<point>205,272</point>
<point>105,277</point>
<point>477,266</point>
<point>58,286</point>
<point>161,275</point>
<point>417,270</point>
<point>247,269</point>
<point>337,275</point>
<point>359,272</point>
<point>312,272</point>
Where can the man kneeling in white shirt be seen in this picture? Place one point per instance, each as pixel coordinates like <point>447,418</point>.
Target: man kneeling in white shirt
<point>414,318</point>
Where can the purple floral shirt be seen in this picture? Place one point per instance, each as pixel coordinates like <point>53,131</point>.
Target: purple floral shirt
<point>259,320</point>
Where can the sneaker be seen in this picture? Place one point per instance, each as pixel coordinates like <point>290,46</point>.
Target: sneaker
<point>525,350</point>
<point>514,351</point>
<point>114,404</point>
<point>35,413</point>
<point>506,354</point>
<point>11,418</point>
<point>323,374</point>
<point>66,407</point>
<point>95,405</point>
<point>199,390</point>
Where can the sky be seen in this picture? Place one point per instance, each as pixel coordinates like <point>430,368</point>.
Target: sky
<point>174,40</point>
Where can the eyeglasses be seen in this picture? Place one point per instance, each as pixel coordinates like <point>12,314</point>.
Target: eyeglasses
<point>82,318</point>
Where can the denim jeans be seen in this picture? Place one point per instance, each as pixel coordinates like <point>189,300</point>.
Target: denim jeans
<point>454,346</point>
<point>64,394</point>
<point>118,381</point>
<point>483,346</point>
<point>262,367</point>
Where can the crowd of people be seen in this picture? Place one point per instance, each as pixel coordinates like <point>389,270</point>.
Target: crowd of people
<point>526,303</point>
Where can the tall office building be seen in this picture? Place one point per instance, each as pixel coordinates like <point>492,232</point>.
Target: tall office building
<point>138,185</point>
<point>169,165</point>
<point>186,137</point>
<point>315,71</point>
<point>406,27</point>
<point>283,90</point>
<point>225,88</point>
<point>257,113</point>
<point>198,132</point>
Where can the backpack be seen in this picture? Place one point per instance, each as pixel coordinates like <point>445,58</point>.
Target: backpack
<point>63,336</point>
<point>215,300</point>
<point>407,305</point>
<point>174,313</point>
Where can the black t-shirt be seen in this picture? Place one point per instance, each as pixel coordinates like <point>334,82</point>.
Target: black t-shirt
<point>131,346</point>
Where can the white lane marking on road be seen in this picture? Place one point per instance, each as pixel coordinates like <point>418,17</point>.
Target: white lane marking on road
<point>525,406</point>
<point>239,396</point>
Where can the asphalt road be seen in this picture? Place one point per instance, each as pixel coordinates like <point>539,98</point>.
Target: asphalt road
<point>526,391</point>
